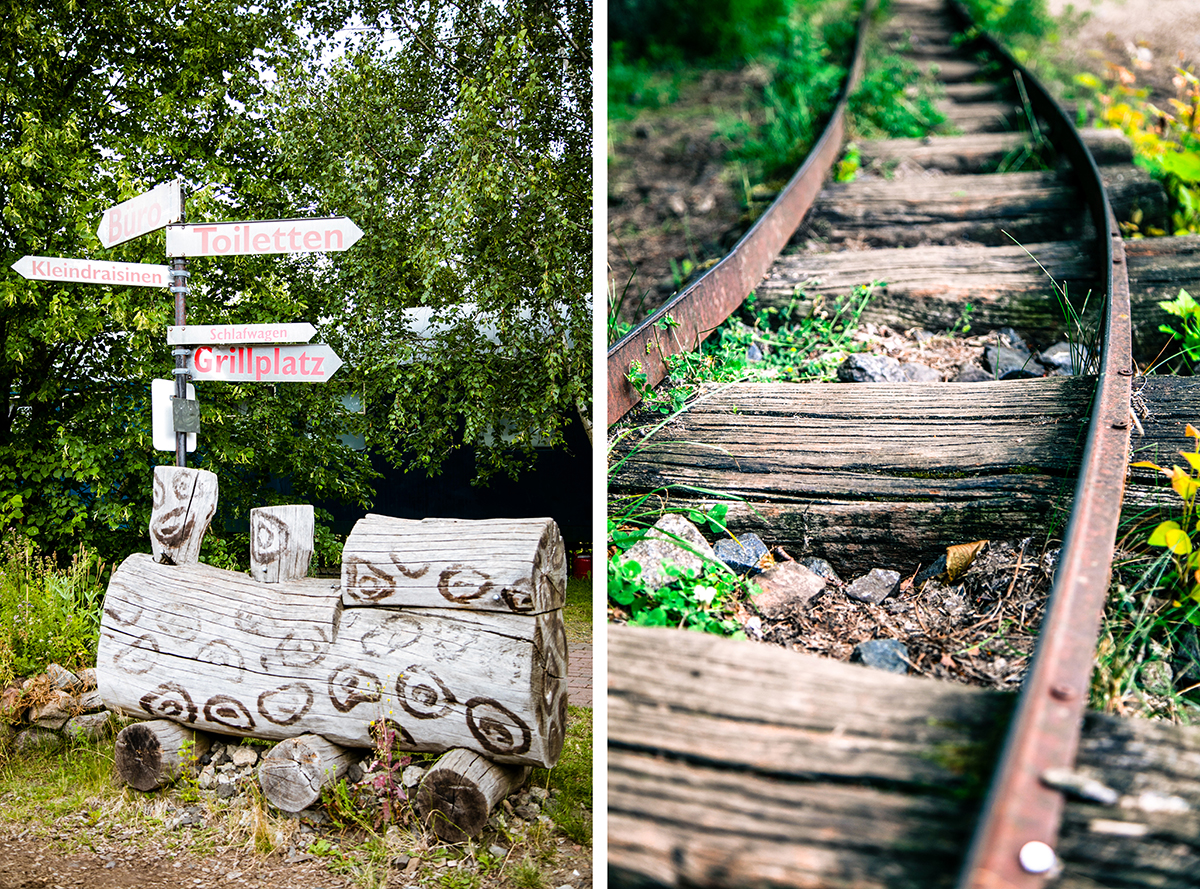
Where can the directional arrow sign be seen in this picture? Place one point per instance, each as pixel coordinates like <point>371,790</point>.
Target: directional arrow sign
<point>225,334</point>
<point>264,236</point>
<point>147,212</point>
<point>264,364</point>
<point>93,271</point>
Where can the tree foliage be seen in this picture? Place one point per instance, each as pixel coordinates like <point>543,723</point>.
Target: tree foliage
<point>463,148</point>
<point>100,101</point>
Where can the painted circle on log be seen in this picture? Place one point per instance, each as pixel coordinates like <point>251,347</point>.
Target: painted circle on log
<point>224,710</point>
<point>422,694</point>
<point>519,598</point>
<point>385,733</point>
<point>169,700</point>
<point>270,537</point>
<point>248,622</point>
<point>390,636</point>
<point>140,657</point>
<point>221,654</point>
<point>367,580</point>
<point>173,527</point>
<point>458,583</point>
<point>182,622</point>
<point>493,725</point>
<point>126,613</point>
<point>350,686</point>
<point>296,651</point>
<point>287,704</point>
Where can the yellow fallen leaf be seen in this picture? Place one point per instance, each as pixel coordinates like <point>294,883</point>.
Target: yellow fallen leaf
<point>960,556</point>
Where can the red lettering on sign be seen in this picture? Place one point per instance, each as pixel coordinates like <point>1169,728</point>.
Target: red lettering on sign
<point>317,360</point>
<point>329,233</point>
<point>262,366</point>
<point>312,240</point>
<point>201,358</point>
<point>289,366</point>
<point>262,241</point>
<point>204,232</point>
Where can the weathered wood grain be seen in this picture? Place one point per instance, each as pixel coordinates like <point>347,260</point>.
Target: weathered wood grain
<point>460,790</point>
<point>888,472</point>
<point>986,209</point>
<point>217,650</point>
<point>732,764</point>
<point>281,542</point>
<point>979,117</point>
<point>516,565</point>
<point>293,772</point>
<point>981,152</point>
<point>184,502</point>
<point>156,752</point>
<point>930,286</point>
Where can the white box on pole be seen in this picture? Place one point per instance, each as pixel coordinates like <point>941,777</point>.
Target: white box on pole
<point>162,417</point>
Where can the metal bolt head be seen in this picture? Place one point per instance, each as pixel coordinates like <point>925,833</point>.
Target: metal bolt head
<point>495,597</point>
<point>1036,857</point>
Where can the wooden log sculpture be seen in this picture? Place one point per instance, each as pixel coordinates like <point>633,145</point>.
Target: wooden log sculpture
<point>294,770</point>
<point>485,670</point>
<point>185,501</point>
<point>281,542</point>
<point>154,753</point>
<point>459,791</point>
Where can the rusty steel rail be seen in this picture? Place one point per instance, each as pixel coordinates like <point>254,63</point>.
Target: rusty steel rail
<point>1014,840</point>
<point>1013,844</point>
<point>697,310</point>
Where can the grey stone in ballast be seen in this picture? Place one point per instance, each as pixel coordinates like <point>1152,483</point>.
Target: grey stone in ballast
<point>867,367</point>
<point>1060,360</point>
<point>821,568</point>
<point>875,586</point>
<point>882,654</point>
<point>971,373</point>
<point>785,590</point>
<point>743,555</point>
<point>1009,353</point>
<point>916,372</point>
<point>673,540</point>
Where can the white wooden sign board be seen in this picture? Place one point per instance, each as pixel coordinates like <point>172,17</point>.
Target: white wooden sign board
<point>162,417</point>
<point>264,364</point>
<point>239,334</point>
<point>92,271</point>
<point>333,233</point>
<point>148,212</point>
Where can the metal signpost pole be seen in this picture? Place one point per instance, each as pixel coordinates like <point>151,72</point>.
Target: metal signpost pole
<point>179,277</point>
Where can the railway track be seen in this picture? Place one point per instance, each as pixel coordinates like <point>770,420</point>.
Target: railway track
<point>889,473</point>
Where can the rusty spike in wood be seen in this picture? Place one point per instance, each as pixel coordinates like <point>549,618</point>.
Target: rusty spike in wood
<point>185,501</point>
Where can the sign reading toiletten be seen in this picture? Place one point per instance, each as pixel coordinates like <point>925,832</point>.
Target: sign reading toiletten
<point>334,233</point>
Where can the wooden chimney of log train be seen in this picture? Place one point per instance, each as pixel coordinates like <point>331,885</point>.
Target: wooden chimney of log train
<point>450,630</point>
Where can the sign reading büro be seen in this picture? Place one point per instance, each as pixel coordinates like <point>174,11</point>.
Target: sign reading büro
<point>147,212</point>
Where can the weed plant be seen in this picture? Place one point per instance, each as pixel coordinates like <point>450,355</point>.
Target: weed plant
<point>48,614</point>
<point>1149,654</point>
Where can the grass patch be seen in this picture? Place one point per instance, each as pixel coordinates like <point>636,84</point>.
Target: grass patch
<point>571,808</point>
<point>577,612</point>
<point>48,614</point>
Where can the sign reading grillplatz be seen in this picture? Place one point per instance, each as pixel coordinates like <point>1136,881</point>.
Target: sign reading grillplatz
<point>264,364</point>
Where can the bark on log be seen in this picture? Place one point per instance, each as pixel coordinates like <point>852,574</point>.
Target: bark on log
<point>217,650</point>
<point>513,565</point>
<point>293,771</point>
<point>986,209</point>
<point>930,464</point>
<point>185,501</point>
<point>982,152</point>
<point>460,791</point>
<point>735,764</point>
<point>154,753</point>
<point>281,542</point>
